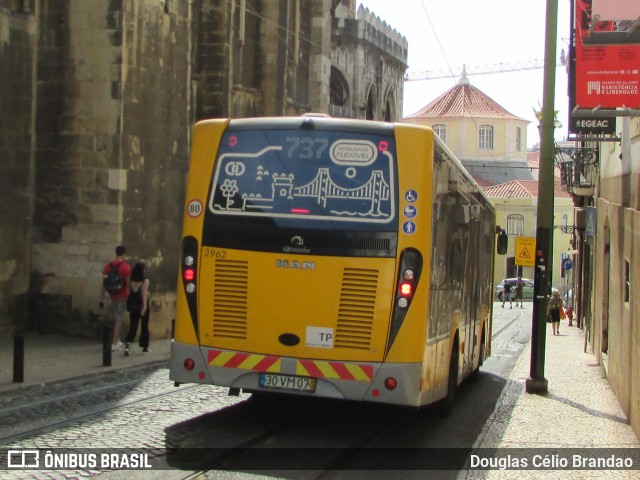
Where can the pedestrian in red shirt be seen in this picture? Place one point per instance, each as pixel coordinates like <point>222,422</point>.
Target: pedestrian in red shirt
<point>115,285</point>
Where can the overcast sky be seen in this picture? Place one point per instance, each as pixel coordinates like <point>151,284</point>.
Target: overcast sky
<point>446,34</point>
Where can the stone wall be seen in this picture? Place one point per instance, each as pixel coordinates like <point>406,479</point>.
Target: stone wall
<point>212,59</point>
<point>156,105</point>
<point>98,100</point>
<point>17,96</point>
<point>112,142</point>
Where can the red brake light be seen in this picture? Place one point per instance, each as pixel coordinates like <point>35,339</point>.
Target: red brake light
<point>405,289</point>
<point>189,364</point>
<point>189,274</point>
<point>390,383</point>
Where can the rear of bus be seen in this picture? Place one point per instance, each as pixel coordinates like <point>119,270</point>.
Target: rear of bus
<point>303,246</point>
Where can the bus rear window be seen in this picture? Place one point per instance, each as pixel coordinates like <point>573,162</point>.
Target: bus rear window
<point>312,176</point>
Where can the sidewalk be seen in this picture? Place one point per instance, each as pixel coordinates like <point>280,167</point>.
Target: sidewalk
<point>51,358</point>
<point>579,411</point>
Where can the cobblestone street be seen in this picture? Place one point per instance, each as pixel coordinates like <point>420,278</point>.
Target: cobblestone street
<point>125,410</point>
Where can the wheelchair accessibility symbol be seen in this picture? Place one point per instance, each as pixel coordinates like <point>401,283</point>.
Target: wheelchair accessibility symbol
<point>409,228</point>
<point>411,196</point>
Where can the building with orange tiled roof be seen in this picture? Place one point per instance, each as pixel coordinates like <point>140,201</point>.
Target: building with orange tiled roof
<point>488,140</point>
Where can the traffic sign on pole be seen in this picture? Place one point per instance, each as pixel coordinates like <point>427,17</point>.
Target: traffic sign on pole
<point>525,251</point>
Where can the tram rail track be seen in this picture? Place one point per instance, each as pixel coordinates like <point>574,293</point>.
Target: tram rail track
<point>506,326</point>
<point>12,412</point>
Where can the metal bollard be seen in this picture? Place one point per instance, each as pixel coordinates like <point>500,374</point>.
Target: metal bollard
<point>18,358</point>
<point>106,346</point>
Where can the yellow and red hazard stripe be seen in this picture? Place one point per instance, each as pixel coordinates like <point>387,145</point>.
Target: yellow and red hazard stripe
<point>338,370</point>
<point>245,361</point>
<point>273,364</point>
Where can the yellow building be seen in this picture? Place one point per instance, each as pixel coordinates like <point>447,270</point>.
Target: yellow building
<point>474,127</point>
<point>491,144</point>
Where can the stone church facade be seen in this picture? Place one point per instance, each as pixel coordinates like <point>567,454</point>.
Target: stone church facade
<point>97,100</point>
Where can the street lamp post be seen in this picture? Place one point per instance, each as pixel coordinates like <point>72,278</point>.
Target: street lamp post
<point>536,383</point>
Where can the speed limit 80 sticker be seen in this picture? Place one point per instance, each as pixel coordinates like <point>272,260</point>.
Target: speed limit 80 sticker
<point>194,208</point>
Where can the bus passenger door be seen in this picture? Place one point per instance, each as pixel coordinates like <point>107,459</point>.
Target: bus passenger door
<point>471,293</point>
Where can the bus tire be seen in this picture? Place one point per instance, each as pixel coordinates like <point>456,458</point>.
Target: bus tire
<point>476,373</point>
<point>446,404</point>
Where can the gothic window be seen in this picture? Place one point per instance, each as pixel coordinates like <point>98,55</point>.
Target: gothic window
<point>485,137</point>
<point>441,131</point>
<point>371,105</point>
<point>339,94</point>
<point>515,224</point>
<point>389,108</point>
<point>518,139</point>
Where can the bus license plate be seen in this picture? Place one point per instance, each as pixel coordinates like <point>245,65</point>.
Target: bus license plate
<point>287,382</point>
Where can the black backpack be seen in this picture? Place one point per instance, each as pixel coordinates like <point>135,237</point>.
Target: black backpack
<point>113,281</point>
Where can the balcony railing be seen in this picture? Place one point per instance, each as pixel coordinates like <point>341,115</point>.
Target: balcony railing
<point>578,168</point>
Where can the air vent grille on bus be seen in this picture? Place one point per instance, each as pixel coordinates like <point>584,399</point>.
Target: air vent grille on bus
<point>365,244</point>
<point>357,307</point>
<point>231,284</point>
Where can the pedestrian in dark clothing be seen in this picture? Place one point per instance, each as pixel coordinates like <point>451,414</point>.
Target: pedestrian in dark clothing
<point>553,310</point>
<point>138,307</point>
<point>506,294</point>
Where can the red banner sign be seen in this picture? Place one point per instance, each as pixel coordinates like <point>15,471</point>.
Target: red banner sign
<point>607,76</point>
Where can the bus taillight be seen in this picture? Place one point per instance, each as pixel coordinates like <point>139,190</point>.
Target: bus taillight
<point>189,274</point>
<point>189,364</point>
<point>390,383</point>
<point>407,282</point>
<point>406,289</point>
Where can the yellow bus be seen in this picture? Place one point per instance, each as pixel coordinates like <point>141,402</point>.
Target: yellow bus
<point>333,258</point>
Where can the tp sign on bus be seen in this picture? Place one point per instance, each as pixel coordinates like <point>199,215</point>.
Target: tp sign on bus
<point>319,337</point>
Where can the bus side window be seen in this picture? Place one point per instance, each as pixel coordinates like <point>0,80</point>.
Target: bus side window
<point>455,273</point>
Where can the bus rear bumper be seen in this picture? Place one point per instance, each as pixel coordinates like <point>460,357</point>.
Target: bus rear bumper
<point>340,380</point>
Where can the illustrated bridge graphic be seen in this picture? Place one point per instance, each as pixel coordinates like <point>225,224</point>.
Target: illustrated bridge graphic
<point>322,188</point>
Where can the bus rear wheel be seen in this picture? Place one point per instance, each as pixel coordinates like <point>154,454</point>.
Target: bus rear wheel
<point>476,373</point>
<point>446,404</point>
